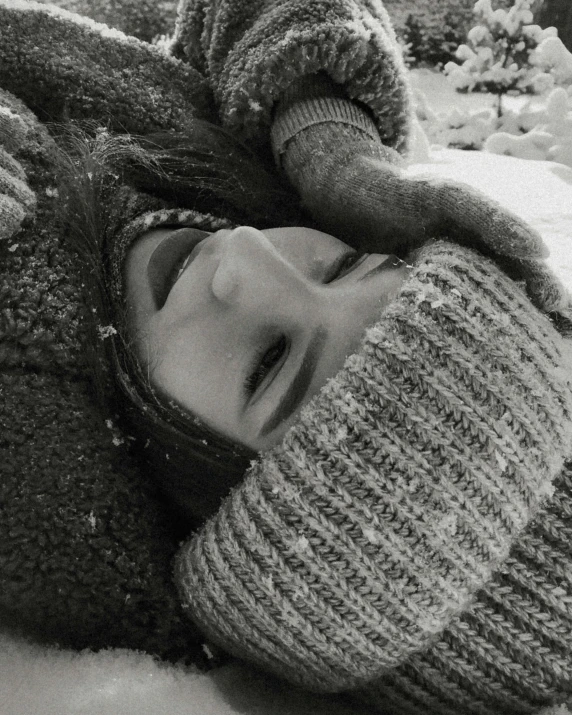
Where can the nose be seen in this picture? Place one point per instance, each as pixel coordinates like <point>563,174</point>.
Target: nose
<point>246,257</point>
<point>225,279</point>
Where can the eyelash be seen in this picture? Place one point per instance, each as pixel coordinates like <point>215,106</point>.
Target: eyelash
<point>265,359</point>
<point>263,362</point>
<point>342,264</point>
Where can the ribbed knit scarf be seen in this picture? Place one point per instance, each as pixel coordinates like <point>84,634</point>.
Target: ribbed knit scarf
<point>401,488</point>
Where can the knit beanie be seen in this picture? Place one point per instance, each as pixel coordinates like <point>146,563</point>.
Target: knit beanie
<point>409,540</point>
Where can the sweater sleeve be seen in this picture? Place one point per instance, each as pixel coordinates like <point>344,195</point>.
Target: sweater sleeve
<point>251,52</point>
<point>66,67</point>
<point>398,493</point>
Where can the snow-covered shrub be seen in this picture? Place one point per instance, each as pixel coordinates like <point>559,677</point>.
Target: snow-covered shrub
<point>458,129</point>
<point>508,53</point>
<point>539,133</point>
<point>432,39</point>
<point>553,58</point>
<point>434,11</point>
<point>548,136</point>
<point>498,57</point>
<point>533,145</point>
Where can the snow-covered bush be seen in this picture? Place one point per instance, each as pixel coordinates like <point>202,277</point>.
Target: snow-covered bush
<point>499,55</point>
<point>549,133</point>
<point>458,129</point>
<point>432,39</point>
<point>542,133</point>
<point>552,57</point>
<point>509,54</point>
<point>434,11</point>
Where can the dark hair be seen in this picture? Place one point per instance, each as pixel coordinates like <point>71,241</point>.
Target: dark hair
<point>205,169</point>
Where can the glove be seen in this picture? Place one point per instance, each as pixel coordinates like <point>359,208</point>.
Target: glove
<point>355,187</point>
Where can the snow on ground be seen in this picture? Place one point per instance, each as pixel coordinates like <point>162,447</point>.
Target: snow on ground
<point>45,681</point>
<point>442,96</point>
<point>539,191</point>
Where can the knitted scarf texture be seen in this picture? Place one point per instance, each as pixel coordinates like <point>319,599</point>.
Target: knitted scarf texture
<point>353,553</point>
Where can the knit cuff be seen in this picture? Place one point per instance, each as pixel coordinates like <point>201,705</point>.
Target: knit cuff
<point>315,100</point>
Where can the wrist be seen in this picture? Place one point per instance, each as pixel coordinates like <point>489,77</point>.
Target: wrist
<point>296,114</point>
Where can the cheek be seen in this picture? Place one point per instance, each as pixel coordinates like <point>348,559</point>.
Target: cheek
<point>379,292</point>
<point>201,377</point>
<point>308,250</point>
<point>166,355</point>
<point>173,374</point>
<point>359,307</point>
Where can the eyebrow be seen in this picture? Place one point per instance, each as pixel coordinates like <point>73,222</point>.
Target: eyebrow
<point>299,385</point>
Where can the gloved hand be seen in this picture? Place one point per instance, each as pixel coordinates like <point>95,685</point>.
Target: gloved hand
<point>356,189</point>
<point>17,200</point>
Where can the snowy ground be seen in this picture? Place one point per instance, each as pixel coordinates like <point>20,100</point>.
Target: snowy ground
<point>36,681</point>
<point>539,191</point>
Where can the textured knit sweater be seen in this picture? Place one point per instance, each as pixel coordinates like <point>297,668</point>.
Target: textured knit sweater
<point>85,548</point>
<point>409,539</point>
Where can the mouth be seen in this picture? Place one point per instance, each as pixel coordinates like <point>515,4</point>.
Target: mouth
<point>167,258</point>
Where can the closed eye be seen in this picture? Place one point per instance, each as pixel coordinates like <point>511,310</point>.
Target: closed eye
<point>264,360</point>
<point>342,265</point>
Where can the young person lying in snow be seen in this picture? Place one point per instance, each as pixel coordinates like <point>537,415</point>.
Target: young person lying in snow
<point>350,394</point>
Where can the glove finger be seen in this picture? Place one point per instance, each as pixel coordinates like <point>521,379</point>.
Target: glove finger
<point>497,228</point>
<point>545,289</point>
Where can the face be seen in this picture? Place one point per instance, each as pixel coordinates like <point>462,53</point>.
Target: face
<point>242,327</point>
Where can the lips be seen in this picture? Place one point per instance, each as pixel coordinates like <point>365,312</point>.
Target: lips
<point>165,260</point>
